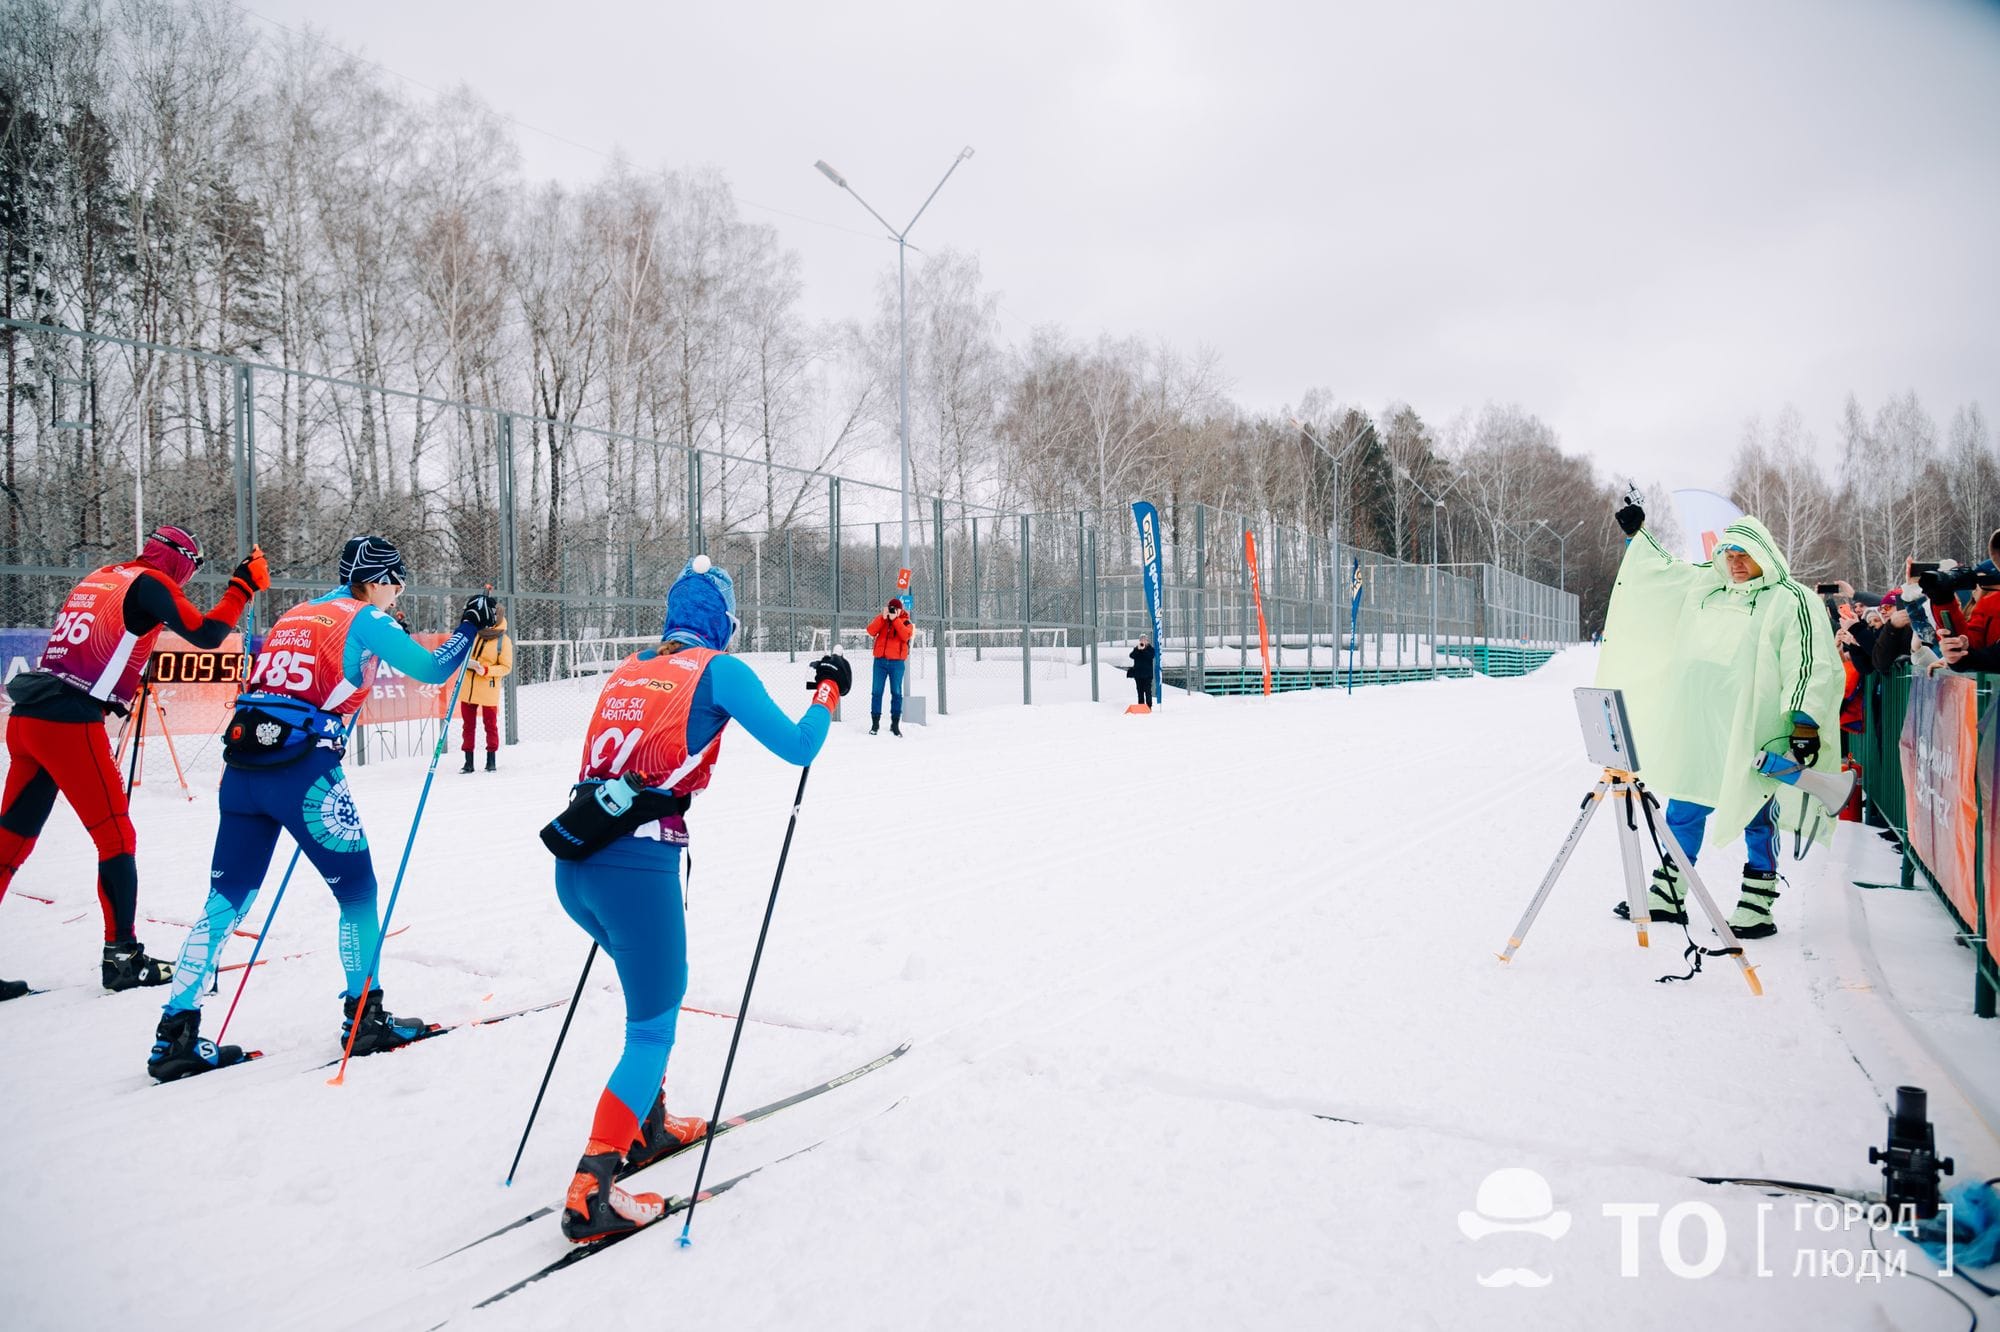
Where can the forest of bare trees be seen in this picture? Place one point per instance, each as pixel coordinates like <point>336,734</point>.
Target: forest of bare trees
<point>170,174</point>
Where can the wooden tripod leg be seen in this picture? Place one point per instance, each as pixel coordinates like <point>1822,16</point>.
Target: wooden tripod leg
<point>1591,803</point>
<point>1699,891</point>
<point>1627,814</point>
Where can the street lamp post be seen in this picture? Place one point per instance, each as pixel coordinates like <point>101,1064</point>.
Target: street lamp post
<point>1437,507</point>
<point>902,239</point>
<point>1338,507</point>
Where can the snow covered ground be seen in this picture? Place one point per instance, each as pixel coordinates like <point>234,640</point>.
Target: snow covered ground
<point>1143,961</point>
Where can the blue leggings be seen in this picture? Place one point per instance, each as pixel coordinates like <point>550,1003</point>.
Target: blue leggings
<point>628,898</point>
<point>310,800</point>
<point>892,673</point>
<point>1760,836</point>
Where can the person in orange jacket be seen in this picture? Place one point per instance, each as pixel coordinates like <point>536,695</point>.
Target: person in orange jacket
<point>891,631</point>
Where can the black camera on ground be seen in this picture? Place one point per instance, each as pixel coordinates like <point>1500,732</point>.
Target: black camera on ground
<point>1910,1164</point>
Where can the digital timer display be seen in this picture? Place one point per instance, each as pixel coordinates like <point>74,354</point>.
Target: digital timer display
<point>197,667</point>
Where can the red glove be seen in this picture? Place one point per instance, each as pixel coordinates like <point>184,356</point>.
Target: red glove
<point>253,575</point>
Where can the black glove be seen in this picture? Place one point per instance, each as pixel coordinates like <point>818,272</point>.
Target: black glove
<point>834,668</point>
<point>1805,743</point>
<point>479,609</point>
<point>1630,518</point>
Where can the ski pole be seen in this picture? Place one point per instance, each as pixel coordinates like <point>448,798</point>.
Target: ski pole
<point>262,935</point>
<point>561,1036</point>
<point>743,1010</point>
<point>354,1028</point>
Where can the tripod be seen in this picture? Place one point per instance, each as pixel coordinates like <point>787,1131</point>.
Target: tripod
<point>135,731</point>
<point>1625,787</point>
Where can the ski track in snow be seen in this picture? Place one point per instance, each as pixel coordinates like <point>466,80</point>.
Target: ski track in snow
<point>1139,958</point>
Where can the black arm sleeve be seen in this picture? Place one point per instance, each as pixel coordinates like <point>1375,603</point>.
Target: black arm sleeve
<point>151,603</point>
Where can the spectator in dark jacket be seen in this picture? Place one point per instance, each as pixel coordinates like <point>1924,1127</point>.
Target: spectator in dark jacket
<point>1141,670</point>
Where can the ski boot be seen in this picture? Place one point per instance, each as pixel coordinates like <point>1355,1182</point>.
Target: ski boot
<point>379,1030</point>
<point>490,760</point>
<point>468,762</point>
<point>1752,917</point>
<point>180,1052</point>
<point>662,1134</point>
<point>875,723</point>
<point>598,1209</point>
<point>127,967</point>
<point>13,989</point>
<point>896,726</point>
<point>1664,901</point>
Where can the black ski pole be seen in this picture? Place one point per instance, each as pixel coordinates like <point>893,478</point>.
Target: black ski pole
<point>743,1009</point>
<point>561,1036</point>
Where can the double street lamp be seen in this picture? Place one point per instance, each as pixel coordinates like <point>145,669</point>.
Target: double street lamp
<point>1437,508</point>
<point>902,239</point>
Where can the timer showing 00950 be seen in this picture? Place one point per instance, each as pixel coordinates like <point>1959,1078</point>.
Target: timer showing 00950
<point>197,667</point>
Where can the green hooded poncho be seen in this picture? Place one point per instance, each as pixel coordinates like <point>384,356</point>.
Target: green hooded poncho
<point>1713,671</point>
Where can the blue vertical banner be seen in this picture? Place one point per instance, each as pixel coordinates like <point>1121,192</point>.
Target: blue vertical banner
<point>1148,519</point>
<point>1353,623</point>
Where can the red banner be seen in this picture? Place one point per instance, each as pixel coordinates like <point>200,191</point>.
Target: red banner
<point>395,697</point>
<point>1940,753</point>
<point>1257,594</point>
<point>1989,766</point>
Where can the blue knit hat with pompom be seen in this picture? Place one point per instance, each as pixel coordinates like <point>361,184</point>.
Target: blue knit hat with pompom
<point>701,606</point>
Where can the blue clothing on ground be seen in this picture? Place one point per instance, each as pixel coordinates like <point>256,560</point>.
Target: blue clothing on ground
<point>310,800</point>
<point>628,896</point>
<point>892,672</point>
<point>1760,836</point>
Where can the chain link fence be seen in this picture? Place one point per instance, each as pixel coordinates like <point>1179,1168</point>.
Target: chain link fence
<point>578,527</point>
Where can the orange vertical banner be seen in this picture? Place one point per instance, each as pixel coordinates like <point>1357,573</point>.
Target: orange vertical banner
<point>1940,753</point>
<point>1257,595</point>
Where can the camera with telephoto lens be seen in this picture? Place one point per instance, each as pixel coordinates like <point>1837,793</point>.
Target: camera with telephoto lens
<point>1910,1164</point>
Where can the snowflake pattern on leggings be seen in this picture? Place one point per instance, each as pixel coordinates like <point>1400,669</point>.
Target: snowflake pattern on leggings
<point>331,816</point>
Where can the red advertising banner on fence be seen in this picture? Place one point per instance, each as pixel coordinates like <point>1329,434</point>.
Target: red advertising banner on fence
<point>395,697</point>
<point>1940,751</point>
<point>1989,768</point>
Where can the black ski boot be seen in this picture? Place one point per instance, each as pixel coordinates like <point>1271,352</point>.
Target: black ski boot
<point>180,1052</point>
<point>127,967</point>
<point>14,989</point>
<point>662,1134</point>
<point>468,762</point>
<point>895,726</point>
<point>598,1209</point>
<point>874,723</point>
<point>379,1030</point>
<point>490,760</point>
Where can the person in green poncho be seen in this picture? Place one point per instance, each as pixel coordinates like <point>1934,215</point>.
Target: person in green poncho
<point>1720,662</point>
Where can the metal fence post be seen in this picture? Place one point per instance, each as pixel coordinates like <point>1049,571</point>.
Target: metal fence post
<point>978,651</point>
<point>697,543</point>
<point>510,562</point>
<point>1201,597</point>
<point>833,556</point>
<point>791,603</point>
<point>1027,609</point>
<point>1090,557</point>
<point>943,602</point>
<point>1081,593</point>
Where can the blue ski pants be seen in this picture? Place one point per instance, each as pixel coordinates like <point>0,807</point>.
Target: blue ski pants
<point>628,898</point>
<point>310,800</point>
<point>1689,822</point>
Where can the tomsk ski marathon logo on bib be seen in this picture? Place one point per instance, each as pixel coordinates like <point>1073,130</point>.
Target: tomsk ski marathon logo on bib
<point>332,818</point>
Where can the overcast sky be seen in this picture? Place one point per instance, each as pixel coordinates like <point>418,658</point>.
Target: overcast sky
<point>1641,222</point>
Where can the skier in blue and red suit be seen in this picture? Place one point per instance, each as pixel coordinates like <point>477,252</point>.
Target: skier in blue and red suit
<point>283,749</point>
<point>661,716</point>
<point>56,741</point>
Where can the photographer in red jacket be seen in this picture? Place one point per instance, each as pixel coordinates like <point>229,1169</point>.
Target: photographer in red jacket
<point>891,631</point>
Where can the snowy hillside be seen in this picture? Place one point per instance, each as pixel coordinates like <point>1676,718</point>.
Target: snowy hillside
<point>1150,966</point>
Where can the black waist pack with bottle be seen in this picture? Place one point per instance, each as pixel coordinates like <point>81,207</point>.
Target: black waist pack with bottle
<point>600,813</point>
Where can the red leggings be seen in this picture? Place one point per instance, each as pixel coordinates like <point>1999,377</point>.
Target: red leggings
<point>468,712</point>
<point>73,758</point>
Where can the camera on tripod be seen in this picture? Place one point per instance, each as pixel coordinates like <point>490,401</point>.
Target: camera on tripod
<point>1910,1164</point>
